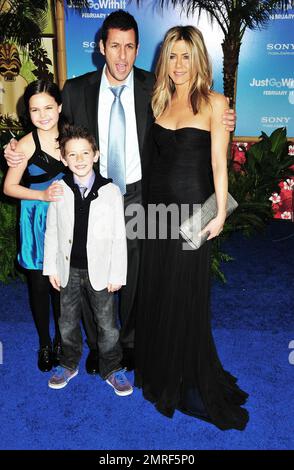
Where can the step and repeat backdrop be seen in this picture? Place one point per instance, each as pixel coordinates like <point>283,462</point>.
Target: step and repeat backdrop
<point>265,88</point>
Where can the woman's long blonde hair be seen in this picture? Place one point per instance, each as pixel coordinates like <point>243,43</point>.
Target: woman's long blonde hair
<point>200,66</point>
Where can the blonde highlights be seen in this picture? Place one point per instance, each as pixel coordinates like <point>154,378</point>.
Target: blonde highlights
<point>200,67</point>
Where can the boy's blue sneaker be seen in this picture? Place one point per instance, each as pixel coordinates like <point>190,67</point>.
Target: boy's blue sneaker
<point>61,377</point>
<point>120,383</point>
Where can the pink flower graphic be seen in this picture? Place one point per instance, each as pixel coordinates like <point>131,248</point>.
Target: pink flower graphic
<point>289,184</point>
<point>275,198</point>
<point>238,155</point>
<point>286,215</point>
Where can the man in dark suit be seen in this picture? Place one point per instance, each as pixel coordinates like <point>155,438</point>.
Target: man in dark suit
<point>87,101</point>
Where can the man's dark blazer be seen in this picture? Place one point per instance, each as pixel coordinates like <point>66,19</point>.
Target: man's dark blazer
<point>80,98</point>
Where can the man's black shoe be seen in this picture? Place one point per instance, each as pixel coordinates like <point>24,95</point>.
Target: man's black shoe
<point>92,362</point>
<point>128,360</point>
<point>45,359</point>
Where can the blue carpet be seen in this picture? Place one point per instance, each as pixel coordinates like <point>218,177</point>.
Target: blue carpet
<point>253,323</point>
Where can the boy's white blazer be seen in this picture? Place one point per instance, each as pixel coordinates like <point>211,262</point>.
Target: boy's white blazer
<point>106,242</point>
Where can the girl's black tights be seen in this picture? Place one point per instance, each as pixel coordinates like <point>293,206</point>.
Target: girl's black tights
<point>40,292</point>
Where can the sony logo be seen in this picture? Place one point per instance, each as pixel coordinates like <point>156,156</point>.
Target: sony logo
<point>87,44</point>
<point>280,46</point>
<point>275,119</point>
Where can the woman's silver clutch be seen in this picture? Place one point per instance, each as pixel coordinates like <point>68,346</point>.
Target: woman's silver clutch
<point>205,212</point>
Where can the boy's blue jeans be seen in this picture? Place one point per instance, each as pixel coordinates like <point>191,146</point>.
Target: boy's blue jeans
<point>104,314</point>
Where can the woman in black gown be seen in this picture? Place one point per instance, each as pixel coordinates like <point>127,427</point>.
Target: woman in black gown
<point>177,365</point>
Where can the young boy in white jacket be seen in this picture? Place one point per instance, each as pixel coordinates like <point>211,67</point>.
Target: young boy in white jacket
<point>85,254</point>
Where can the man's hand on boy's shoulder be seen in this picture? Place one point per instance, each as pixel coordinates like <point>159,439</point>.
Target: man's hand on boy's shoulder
<point>113,287</point>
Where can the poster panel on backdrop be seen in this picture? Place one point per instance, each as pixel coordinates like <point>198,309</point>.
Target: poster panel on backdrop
<point>265,89</point>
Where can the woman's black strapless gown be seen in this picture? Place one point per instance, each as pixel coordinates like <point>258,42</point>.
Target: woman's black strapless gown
<point>177,365</point>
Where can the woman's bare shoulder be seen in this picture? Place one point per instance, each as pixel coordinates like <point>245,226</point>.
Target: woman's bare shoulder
<point>218,100</point>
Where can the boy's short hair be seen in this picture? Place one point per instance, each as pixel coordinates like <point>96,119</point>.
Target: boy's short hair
<point>70,132</point>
